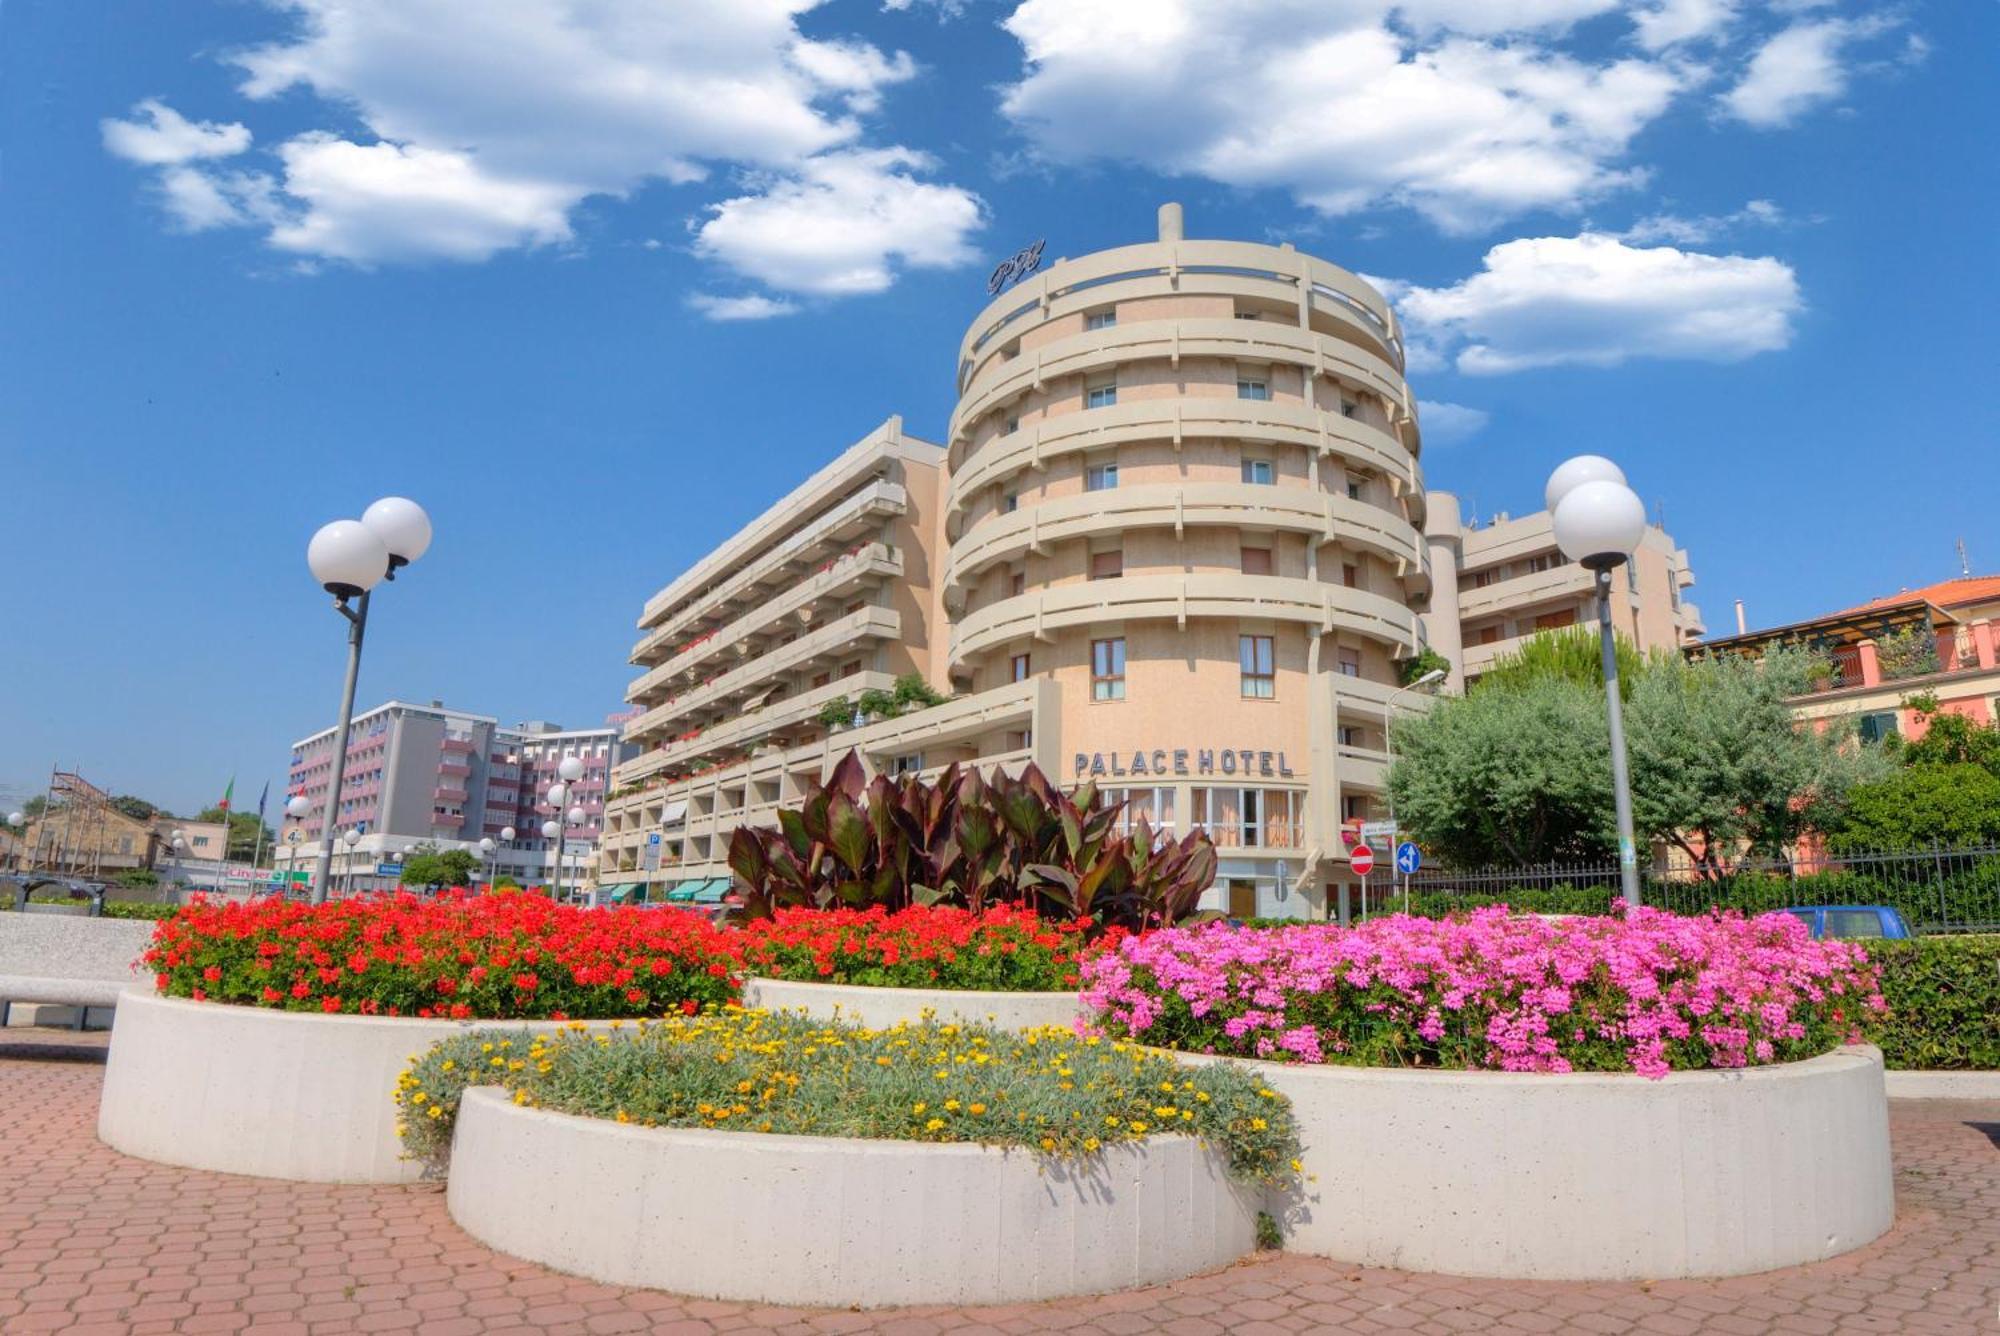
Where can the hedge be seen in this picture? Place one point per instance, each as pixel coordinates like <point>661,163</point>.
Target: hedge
<point>1944,1003</point>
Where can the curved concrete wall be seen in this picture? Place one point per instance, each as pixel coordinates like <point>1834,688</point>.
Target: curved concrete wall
<point>825,1220</point>
<point>880,1008</point>
<point>1590,1176</point>
<point>275,1094</point>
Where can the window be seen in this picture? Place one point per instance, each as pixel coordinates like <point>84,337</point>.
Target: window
<point>1674,590</point>
<point>1879,725</point>
<point>1348,408</point>
<point>1253,656</point>
<point>1256,561</point>
<point>1350,663</point>
<point>1480,579</point>
<point>1555,621</point>
<point>1258,471</point>
<point>201,841</point>
<point>1013,425</point>
<point>1100,477</point>
<point>1632,575</point>
<point>1353,807</point>
<point>1010,503</point>
<point>1100,319</point>
<point>1853,923</point>
<point>1107,669</point>
<point>1247,388</point>
<point>1153,806</point>
<point>1354,486</point>
<point>1350,575</point>
<point>1489,635</point>
<point>907,764</point>
<point>1350,735</point>
<point>1546,561</point>
<point>1100,394</point>
<point>1107,565</point>
<point>850,668</point>
<point>1017,584</point>
<point>1019,668</point>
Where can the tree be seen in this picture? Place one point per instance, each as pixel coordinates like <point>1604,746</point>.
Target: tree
<point>1426,661</point>
<point>1910,652</point>
<point>1573,654</point>
<point>1721,767</point>
<point>1949,737</point>
<point>138,808</point>
<point>243,828</point>
<point>1919,806</point>
<point>1514,775</point>
<point>1519,771</point>
<point>34,807</point>
<point>427,867</point>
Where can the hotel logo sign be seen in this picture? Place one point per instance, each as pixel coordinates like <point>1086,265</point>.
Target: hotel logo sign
<point>1183,761</point>
<point>1015,267</point>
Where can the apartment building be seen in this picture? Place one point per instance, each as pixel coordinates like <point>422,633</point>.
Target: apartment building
<point>432,775</point>
<point>1939,640</point>
<point>1177,542</point>
<point>1502,581</point>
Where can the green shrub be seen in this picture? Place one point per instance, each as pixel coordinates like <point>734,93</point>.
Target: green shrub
<point>1043,1090</point>
<point>1944,1003</point>
<point>138,909</point>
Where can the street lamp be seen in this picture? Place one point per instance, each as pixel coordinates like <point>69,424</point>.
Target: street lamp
<point>1431,678</point>
<point>349,558</point>
<point>569,770</point>
<point>350,839</point>
<point>16,820</point>
<point>1598,522</point>
<point>552,830</point>
<point>486,848</point>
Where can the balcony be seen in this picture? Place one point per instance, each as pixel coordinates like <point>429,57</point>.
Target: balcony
<point>1324,516</point>
<point>848,575</point>
<point>849,520</point>
<point>833,641</point>
<point>1178,419</point>
<point>1262,341</point>
<point>1174,597</point>
<point>741,731</point>
<point>1567,582</point>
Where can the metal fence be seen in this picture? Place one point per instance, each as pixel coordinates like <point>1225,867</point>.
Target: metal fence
<point>1936,890</point>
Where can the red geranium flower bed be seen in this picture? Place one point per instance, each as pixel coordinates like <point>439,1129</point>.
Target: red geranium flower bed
<point>508,955</point>
<point>1003,949</point>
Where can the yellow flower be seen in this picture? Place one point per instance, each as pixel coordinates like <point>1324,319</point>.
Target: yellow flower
<point>1110,1120</point>
<point>1297,1167</point>
<point>951,1106</point>
<point>934,1124</point>
<point>624,1117</point>
<point>1138,1129</point>
<point>1201,1097</point>
<point>437,1111</point>
<point>977,1108</point>
<point>1167,1086</point>
<point>449,1064</point>
<point>919,1107</point>
<point>486,1048</point>
<point>885,1061</point>
<point>1091,1143</point>
<point>1266,1094</point>
<point>1048,1143</point>
<point>1258,1124</point>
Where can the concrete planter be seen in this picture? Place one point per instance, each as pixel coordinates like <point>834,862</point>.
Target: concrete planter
<point>879,1008</point>
<point>1589,1176</point>
<point>275,1094</point>
<point>832,1221</point>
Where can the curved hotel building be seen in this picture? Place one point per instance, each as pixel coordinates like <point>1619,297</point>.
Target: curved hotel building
<point>1177,542</point>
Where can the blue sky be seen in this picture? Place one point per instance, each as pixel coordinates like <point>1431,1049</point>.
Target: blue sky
<point>596,281</point>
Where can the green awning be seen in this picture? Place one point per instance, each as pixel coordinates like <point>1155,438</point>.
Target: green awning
<point>690,891</point>
<point>713,893</point>
<point>624,891</point>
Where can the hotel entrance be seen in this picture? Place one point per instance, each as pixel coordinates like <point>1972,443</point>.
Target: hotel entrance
<point>1240,898</point>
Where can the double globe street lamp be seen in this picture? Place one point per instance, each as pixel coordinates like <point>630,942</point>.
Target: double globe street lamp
<point>349,558</point>
<point>1599,521</point>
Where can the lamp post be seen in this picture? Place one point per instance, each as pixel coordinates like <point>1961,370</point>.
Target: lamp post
<point>506,838</point>
<point>349,558</point>
<point>550,830</point>
<point>1431,678</point>
<point>568,770</point>
<point>16,820</point>
<point>486,847</point>
<point>350,838</point>
<point>1599,522</point>
<point>296,808</point>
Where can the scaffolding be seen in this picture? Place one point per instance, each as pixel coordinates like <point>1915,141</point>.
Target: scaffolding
<point>71,834</point>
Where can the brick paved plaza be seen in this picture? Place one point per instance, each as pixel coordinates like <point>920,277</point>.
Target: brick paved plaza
<point>92,1242</point>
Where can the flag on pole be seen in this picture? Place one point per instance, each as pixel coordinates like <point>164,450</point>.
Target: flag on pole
<point>263,798</point>
<point>227,794</point>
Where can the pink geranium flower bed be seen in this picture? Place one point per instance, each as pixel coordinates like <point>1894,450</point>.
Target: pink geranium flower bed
<point>1651,994</point>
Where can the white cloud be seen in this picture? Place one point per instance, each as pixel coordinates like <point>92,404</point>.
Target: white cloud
<point>1665,23</point>
<point>1593,300</point>
<point>752,306</point>
<point>1700,229</point>
<point>457,131</point>
<point>1800,68</point>
<point>835,225</point>
<point>1464,111</point>
<point>165,138</point>
<point>1450,424</point>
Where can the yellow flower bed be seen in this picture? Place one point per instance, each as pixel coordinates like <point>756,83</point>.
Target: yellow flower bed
<point>1044,1090</point>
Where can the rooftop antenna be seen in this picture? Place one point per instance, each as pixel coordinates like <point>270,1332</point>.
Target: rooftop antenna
<point>1964,563</point>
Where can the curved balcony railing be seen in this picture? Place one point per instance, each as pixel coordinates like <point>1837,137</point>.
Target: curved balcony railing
<point>832,640</point>
<point>744,729</point>
<point>1177,268</point>
<point>844,577</point>
<point>1325,516</point>
<point>1261,341</point>
<point>1177,420</point>
<point>1039,612</point>
<point>844,522</point>
<point>1522,591</point>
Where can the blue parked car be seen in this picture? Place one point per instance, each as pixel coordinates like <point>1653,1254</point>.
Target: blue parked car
<point>1853,921</point>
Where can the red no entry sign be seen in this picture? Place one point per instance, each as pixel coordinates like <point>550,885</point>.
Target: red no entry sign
<point>1362,859</point>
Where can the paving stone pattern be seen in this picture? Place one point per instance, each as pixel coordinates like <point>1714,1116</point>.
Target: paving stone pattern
<point>93,1243</point>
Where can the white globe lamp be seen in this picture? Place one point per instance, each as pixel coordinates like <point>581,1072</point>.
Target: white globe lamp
<point>550,830</point>
<point>1572,473</point>
<point>1599,523</point>
<point>403,527</point>
<point>571,769</point>
<point>558,794</point>
<point>507,834</point>
<point>297,806</point>
<point>576,815</point>
<point>347,558</point>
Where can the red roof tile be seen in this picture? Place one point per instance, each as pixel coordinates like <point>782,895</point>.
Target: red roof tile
<point>1944,594</point>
